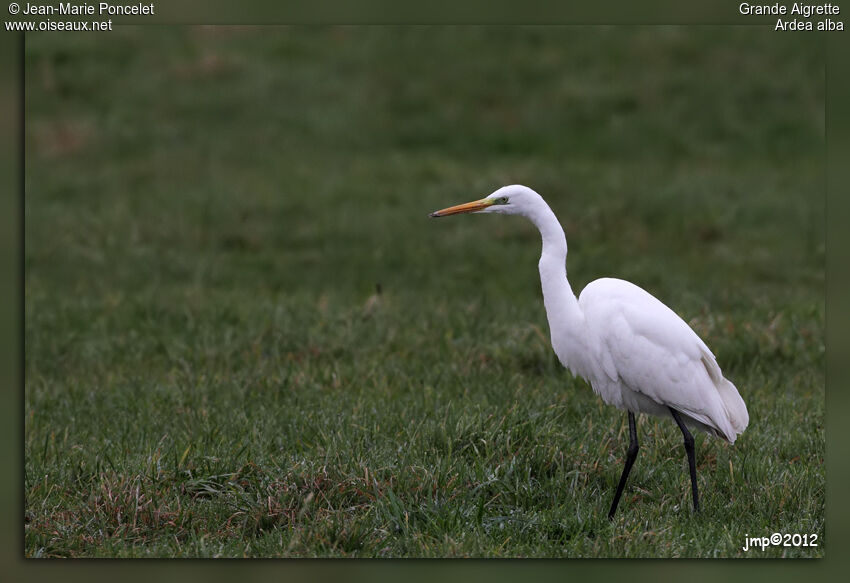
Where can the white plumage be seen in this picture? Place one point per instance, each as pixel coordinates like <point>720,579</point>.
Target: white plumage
<point>650,359</point>
<point>635,352</point>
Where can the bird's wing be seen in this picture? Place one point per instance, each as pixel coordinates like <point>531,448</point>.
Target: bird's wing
<point>653,351</point>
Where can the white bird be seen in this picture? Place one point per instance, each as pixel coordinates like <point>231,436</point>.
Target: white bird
<point>635,352</point>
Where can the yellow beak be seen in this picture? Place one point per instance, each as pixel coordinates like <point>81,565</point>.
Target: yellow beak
<point>467,207</point>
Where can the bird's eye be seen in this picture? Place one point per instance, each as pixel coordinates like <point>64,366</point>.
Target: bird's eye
<point>503,200</point>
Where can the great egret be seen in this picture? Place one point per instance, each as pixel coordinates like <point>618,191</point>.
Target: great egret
<point>637,354</point>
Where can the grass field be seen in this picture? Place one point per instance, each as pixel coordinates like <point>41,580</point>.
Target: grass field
<point>244,337</point>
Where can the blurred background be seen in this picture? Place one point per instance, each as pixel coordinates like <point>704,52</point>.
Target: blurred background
<point>228,255</point>
<point>306,159</point>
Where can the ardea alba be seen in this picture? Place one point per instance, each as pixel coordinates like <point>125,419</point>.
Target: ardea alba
<point>637,354</point>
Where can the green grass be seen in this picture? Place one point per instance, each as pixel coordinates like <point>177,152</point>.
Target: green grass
<point>209,213</point>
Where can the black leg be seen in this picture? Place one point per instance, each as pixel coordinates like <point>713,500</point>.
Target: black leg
<point>689,449</point>
<point>631,454</point>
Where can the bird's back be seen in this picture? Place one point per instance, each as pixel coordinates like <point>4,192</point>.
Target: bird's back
<point>646,358</point>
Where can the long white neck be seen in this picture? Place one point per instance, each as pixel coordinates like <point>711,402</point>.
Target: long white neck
<point>566,320</point>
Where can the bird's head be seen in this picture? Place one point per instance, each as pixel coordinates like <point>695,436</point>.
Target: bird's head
<point>508,200</point>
